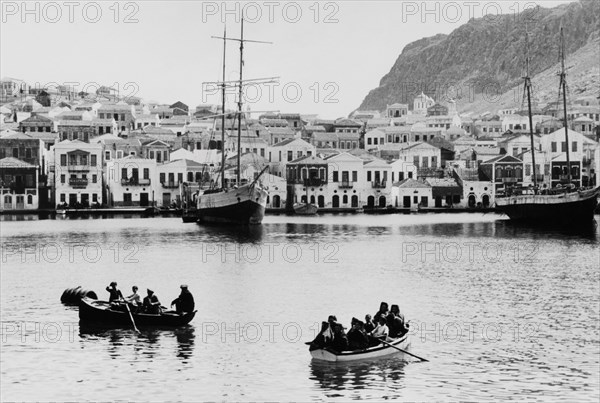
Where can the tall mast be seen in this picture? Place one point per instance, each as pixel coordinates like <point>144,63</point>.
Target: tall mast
<point>239,151</point>
<point>563,85</point>
<point>223,112</point>
<point>528,89</point>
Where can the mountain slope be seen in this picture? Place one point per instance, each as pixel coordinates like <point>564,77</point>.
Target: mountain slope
<point>483,59</point>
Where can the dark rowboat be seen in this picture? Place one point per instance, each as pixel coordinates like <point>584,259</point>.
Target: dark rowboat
<point>100,312</point>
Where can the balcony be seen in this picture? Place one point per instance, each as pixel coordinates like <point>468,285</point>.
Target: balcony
<point>135,182</point>
<point>539,178</point>
<point>170,185</point>
<point>79,168</point>
<point>78,183</point>
<point>510,180</point>
<point>346,185</point>
<point>378,184</point>
<point>312,182</point>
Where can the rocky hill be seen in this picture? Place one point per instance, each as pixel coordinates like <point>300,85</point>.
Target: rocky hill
<point>480,63</point>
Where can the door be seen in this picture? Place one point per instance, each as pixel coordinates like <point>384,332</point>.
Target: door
<point>166,199</point>
<point>371,201</point>
<point>335,201</point>
<point>406,202</point>
<point>85,200</point>
<point>127,199</point>
<point>72,199</point>
<point>20,202</point>
<point>144,199</point>
<point>354,201</point>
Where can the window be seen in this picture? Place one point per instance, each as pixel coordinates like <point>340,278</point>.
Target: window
<point>15,153</point>
<point>528,170</point>
<point>162,177</point>
<point>95,197</point>
<point>368,176</point>
<point>425,162</point>
<point>123,173</point>
<point>434,161</point>
<point>94,178</point>
<point>299,154</point>
<point>146,173</point>
<point>553,145</point>
<point>515,151</point>
<point>290,155</point>
<point>63,160</point>
<point>62,179</point>
<point>93,161</point>
<point>564,146</point>
<point>354,176</point>
<point>179,177</point>
<point>416,160</point>
<point>63,198</point>
<point>369,141</point>
<point>84,160</point>
<point>308,153</point>
<point>151,154</point>
<point>574,146</point>
<point>28,152</point>
<point>335,176</point>
<point>107,155</point>
<point>119,154</point>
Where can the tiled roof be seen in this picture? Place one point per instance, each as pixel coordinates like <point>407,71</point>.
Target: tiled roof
<point>10,162</point>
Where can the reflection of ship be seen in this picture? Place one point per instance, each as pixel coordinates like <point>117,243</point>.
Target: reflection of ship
<point>563,205</point>
<point>238,204</point>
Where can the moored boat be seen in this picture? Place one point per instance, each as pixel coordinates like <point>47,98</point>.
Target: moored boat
<point>305,209</point>
<point>100,312</point>
<point>382,350</point>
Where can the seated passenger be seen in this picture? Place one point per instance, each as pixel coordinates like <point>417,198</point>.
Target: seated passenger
<point>115,293</point>
<point>383,311</point>
<point>380,332</point>
<point>151,303</point>
<point>357,338</point>
<point>395,322</point>
<point>340,340</point>
<point>369,325</point>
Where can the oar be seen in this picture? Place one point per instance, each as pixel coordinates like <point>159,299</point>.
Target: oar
<point>131,317</point>
<point>399,349</point>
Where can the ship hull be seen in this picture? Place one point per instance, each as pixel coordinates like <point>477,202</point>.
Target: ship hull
<point>563,209</point>
<point>245,205</point>
<point>306,209</point>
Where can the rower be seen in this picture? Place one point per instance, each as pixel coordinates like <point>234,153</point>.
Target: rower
<point>185,301</point>
<point>134,300</point>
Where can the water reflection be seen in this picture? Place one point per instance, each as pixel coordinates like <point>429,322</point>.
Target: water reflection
<point>384,374</point>
<point>185,342</point>
<point>233,233</point>
<point>147,344</point>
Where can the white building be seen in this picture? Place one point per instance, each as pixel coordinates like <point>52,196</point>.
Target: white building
<point>131,182</point>
<point>78,173</point>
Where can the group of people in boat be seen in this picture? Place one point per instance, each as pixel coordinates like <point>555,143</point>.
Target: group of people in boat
<point>184,303</point>
<point>387,323</point>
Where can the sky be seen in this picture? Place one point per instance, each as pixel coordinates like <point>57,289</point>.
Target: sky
<point>326,55</point>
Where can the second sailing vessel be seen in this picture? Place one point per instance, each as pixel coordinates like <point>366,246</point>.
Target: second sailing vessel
<point>564,206</point>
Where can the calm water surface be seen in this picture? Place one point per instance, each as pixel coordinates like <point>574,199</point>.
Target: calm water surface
<point>501,312</point>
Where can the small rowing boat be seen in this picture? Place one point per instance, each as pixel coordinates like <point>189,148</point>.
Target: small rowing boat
<point>94,311</point>
<point>382,350</point>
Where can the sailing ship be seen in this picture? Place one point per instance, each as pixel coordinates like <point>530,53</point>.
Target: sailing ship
<point>240,203</point>
<point>563,205</point>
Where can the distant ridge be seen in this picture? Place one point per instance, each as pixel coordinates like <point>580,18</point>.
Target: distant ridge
<point>487,55</point>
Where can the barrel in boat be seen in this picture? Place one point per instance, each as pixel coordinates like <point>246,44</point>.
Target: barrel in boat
<point>379,351</point>
<point>101,312</point>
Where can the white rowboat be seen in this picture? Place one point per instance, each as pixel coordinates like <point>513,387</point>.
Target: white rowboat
<point>379,351</point>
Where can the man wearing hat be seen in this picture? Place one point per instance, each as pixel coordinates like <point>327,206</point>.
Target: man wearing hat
<point>115,293</point>
<point>185,301</point>
<point>151,303</point>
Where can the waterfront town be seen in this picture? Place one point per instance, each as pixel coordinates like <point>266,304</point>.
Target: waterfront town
<point>60,148</point>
